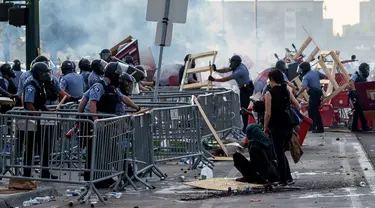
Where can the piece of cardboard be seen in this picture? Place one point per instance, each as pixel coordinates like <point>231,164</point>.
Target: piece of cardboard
<point>222,184</point>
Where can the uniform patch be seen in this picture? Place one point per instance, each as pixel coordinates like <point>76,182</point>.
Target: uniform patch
<point>29,89</point>
<point>96,89</point>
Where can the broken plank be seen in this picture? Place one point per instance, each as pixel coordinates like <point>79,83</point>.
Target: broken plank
<point>217,138</point>
<point>115,48</point>
<point>303,47</point>
<point>203,55</point>
<point>198,70</point>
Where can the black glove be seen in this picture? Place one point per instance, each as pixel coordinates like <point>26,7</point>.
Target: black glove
<point>210,78</point>
<point>138,109</point>
<point>214,67</point>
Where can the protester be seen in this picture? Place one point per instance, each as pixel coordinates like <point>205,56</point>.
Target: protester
<point>276,124</point>
<point>191,78</point>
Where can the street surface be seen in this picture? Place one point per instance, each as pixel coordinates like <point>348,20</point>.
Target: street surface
<point>332,169</point>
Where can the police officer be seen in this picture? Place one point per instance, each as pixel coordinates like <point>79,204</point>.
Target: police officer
<point>106,55</point>
<point>104,98</point>
<point>17,70</point>
<point>85,70</point>
<point>96,75</point>
<point>71,82</point>
<point>143,84</point>
<point>242,76</point>
<point>35,98</point>
<point>311,82</point>
<point>191,78</point>
<point>8,88</point>
<point>358,77</point>
<point>129,60</point>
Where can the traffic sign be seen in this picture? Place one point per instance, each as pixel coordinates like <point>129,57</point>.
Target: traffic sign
<point>159,34</point>
<point>177,10</point>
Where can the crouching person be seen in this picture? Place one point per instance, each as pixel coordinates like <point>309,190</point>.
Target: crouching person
<point>262,167</point>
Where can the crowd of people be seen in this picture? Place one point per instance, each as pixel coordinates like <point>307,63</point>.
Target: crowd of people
<point>104,86</point>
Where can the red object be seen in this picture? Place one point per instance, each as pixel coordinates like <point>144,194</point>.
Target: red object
<point>129,49</point>
<point>341,100</point>
<point>303,129</point>
<point>327,114</point>
<point>173,80</point>
<point>366,93</point>
<point>250,120</point>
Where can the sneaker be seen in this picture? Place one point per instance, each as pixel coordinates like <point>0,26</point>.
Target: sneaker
<point>367,129</point>
<point>290,182</point>
<point>284,185</point>
<point>242,180</point>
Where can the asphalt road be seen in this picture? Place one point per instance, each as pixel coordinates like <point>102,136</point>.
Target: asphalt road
<point>332,168</point>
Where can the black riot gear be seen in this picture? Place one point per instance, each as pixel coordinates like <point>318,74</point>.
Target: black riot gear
<point>126,84</point>
<point>98,66</point>
<point>6,71</point>
<point>67,67</point>
<point>41,72</point>
<point>303,68</point>
<point>113,71</point>
<point>144,73</point>
<point>84,65</point>
<point>364,69</point>
<point>129,60</point>
<point>235,61</point>
<point>281,65</point>
<point>105,54</point>
<point>17,65</point>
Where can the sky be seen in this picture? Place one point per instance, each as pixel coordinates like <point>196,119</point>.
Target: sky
<point>341,13</point>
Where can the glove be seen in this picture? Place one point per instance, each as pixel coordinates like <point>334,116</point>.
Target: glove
<point>210,78</point>
<point>138,109</point>
<point>214,67</point>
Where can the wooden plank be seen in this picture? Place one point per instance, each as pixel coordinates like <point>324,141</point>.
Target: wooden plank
<point>303,47</point>
<point>7,101</point>
<point>299,85</point>
<point>334,93</point>
<point>217,138</point>
<point>182,84</point>
<point>115,48</point>
<point>196,85</point>
<point>328,74</point>
<point>61,102</point>
<point>313,54</point>
<point>341,66</point>
<point>222,184</point>
<point>203,55</point>
<point>198,70</point>
<point>324,81</point>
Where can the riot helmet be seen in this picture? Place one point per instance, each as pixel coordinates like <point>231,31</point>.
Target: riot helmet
<point>98,66</point>
<point>44,60</point>
<point>6,71</point>
<point>105,54</point>
<point>126,84</point>
<point>281,65</point>
<point>41,72</point>
<point>143,70</point>
<point>235,61</point>
<point>17,65</point>
<point>364,70</point>
<point>113,71</point>
<point>67,67</point>
<point>129,60</point>
<point>303,68</point>
<point>353,57</point>
<point>84,65</point>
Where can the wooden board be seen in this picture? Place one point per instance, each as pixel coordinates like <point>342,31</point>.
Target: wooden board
<point>217,138</point>
<point>115,48</point>
<point>196,85</point>
<point>6,101</point>
<point>222,184</point>
<point>303,47</point>
<point>313,54</point>
<point>203,55</point>
<point>198,70</point>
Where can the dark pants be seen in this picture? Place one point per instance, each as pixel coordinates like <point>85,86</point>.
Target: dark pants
<point>39,142</point>
<point>245,93</point>
<point>358,114</point>
<point>248,169</point>
<point>280,138</point>
<point>315,96</point>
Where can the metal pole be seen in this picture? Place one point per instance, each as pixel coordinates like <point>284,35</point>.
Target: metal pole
<point>256,30</point>
<point>32,32</point>
<point>163,37</point>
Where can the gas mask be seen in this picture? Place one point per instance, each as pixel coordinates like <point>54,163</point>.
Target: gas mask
<point>45,76</point>
<point>126,88</point>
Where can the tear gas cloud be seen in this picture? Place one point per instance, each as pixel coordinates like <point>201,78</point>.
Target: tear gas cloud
<point>89,26</point>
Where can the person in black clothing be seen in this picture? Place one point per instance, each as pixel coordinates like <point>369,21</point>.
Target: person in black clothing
<point>191,78</point>
<point>7,86</point>
<point>358,77</point>
<point>277,101</point>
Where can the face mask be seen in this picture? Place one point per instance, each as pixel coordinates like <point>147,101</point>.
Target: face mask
<point>45,77</point>
<point>105,56</point>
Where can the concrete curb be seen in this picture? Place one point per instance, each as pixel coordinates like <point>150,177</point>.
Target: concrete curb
<point>13,200</point>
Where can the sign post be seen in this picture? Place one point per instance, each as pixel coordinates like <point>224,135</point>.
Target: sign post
<point>165,12</point>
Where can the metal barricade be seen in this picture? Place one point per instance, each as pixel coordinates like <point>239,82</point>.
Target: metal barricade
<point>208,106</point>
<point>177,134</point>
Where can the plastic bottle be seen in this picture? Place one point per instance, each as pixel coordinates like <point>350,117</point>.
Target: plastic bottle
<point>362,184</point>
<point>206,173</point>
<point>93,199</point>
<point>295,175</point>
<point>72,193</point>
<point>116,195</point>
<point>43,199</point>
<point>27,203</point>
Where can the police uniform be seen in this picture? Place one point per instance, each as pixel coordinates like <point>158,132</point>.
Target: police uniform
<point>85,75</point>
<point>242,76</point>
<point>18,76</point>
<point>311,80</point>
<point>358,111</point>
<point>22,81</point>
<point>73,84</point>
<point>120,107</point>
<point>52,88</point>
<point>93,78</point>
